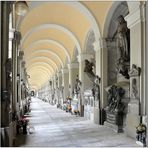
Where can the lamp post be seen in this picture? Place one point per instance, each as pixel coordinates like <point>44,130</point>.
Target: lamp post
<point>19,8</point>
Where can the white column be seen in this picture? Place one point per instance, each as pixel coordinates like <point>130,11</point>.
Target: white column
<point>136,22</point>
<point>59,75</point>
<point>101,71</point>
<point>83,78</point>
<point>101,68</point>
<point>65,82</point>
<point>20,58</point>
<point>73,72</point>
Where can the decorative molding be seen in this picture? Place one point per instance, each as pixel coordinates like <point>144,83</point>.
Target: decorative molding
<point>136,16</point>
<point>73,65</point>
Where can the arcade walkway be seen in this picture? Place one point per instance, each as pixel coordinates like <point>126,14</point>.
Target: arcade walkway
<point>54,127</point>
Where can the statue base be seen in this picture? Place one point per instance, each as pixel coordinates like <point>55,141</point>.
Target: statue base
<point>116,128</point>
<point>114,120</point>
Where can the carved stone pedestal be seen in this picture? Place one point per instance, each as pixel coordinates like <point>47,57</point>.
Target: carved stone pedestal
<point>96,112</point>
<point>118,98</point>
<point>114,121</point>
<point>133,118</point>
<point>88,105</point>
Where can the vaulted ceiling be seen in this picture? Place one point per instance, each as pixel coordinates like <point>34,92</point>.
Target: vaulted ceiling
<point>52,30</point>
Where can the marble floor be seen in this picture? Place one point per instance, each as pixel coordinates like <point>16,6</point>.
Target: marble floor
<point>54,127</point>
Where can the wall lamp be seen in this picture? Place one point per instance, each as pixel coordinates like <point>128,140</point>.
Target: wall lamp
<point>20,8</point>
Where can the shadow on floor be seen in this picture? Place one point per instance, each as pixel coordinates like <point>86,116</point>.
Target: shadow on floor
<point>20,140</point>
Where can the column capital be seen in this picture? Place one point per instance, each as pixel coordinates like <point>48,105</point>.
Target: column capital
<point>73,65</point>
<point>83,56</point>
<point>64,70</point>
<point>100,44</point>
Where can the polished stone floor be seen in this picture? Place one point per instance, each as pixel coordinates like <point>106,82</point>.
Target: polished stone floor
<point>54,127</point>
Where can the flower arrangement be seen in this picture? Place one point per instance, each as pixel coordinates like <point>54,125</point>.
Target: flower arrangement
<point>140,128</point>
<point>22,124</point>
<point>23,121</point>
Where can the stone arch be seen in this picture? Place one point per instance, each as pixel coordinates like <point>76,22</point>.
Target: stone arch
<point>52,63</point>
<point>117,9</point>
<point>31,55</point>
<point>110,14</point>
<point>39,70</point>
<point>41,63</point>
<point>49,41</point>
<point>58,27</point>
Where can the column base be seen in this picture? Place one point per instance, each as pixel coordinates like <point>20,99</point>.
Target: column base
<point>81,110</point>
<point>132,119</point>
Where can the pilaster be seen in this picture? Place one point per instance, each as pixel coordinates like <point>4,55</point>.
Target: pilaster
<point>73,72</point>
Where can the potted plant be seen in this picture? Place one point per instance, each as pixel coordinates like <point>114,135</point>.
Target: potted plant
<point>22,122</point>
<point>141,133</point>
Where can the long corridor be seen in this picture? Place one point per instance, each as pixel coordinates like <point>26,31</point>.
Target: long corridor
<point>56,128</point>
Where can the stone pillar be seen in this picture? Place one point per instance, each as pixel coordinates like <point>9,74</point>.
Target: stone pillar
<point>65,83</point>
<point>146,61</point>
<point>59,75</point>
<point>5,100</point>
<point>136,22</point>
<point>73,72</point>
<point>15,45</point>
<point>19,75</point>
<point>23,89</point>
<point>83,78</point>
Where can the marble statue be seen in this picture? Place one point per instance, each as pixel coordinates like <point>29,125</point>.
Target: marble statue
<point>96,88</point>
<point>123,38</point>
<point>77,86</point>
<point>88,69</point>
<point>114,98</point>
<point>122,35</point>
<point>134,88</point>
